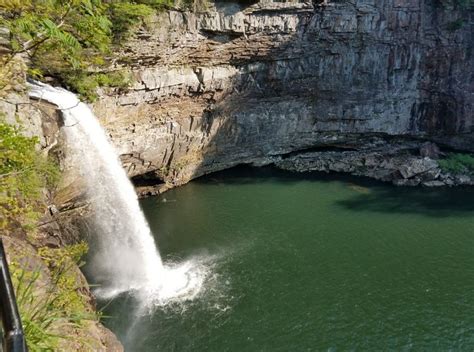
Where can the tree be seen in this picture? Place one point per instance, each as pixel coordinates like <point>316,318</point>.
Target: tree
<point>69,40</point>
<point>57,35</point>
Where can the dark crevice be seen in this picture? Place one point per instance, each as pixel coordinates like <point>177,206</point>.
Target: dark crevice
<point>221,37</point>
<point>147,179</point>
<point>325,148</point>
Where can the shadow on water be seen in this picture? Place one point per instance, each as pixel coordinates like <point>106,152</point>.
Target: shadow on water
<point>369,195</point>
<point>441,202</point>
<point>245,174</point>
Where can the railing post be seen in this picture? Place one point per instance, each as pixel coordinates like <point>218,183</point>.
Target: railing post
<point>14,338</point>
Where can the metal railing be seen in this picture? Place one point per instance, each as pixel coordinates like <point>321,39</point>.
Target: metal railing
<point>13,338</point>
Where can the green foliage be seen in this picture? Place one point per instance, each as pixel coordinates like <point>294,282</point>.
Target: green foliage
<point>61,262</point>
<point>44,308</point>
<point>72,40</point>
<point>62,38</point>
<point>457,163</point>
<point>23,174</point>
<point>193,5</point>
<point>126,14</point>
<point>86,84</point>
<point>37,313</point>
<point>157,4</point>
<point>57,29</point>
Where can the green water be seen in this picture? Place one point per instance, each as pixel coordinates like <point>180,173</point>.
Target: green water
<point>311,263</point>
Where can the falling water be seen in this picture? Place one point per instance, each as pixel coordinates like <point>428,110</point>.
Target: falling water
<point>127,258</point>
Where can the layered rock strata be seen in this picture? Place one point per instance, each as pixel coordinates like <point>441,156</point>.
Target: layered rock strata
<point>247,83</point>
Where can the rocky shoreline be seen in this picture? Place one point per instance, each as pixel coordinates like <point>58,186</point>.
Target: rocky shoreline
<point>398,164</point>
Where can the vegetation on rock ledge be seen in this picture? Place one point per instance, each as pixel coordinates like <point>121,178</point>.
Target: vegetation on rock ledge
<point>51,293</point>
<point>53,306</point>
<point>72,40</point>
<point>457,163</point>
<point>24,173</point>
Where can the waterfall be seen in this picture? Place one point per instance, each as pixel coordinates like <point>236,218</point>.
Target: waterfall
<point>127,257</point>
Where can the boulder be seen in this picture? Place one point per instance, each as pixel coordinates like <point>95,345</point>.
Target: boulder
<point>415,167</point>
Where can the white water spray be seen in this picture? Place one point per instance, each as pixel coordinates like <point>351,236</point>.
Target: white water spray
<point>127,258</point>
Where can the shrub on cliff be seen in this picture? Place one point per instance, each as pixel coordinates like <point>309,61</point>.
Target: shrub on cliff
<point>51,293</point>
<point>53,305</point>
<point>57,36</point>
<point>24,173</point>
<point>457,163</point>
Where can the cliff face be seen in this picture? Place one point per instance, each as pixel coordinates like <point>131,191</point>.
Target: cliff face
<point>248,83</point>
<point>240,84</point>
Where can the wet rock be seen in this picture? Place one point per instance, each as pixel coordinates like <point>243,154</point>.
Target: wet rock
<point>405,182</point>
<point>434,184</point>
<point>463,180</point>
<point>449,182</point>
<point>431,174</point>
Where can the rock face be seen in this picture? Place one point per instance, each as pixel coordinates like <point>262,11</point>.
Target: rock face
<point>245,83</point>
<point>396,161</point>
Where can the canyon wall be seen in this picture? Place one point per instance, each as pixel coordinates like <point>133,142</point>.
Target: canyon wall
<point>324,85</point>
<point>249,83</point>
